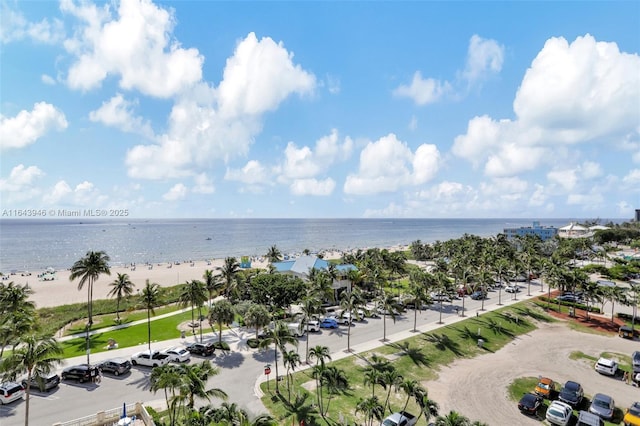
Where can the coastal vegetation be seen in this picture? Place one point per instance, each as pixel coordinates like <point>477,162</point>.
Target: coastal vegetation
<point>382,281</point>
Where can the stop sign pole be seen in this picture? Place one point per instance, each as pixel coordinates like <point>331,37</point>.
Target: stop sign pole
<point>267,371</point>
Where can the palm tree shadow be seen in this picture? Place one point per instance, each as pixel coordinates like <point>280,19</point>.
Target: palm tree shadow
<point>415,354</point>
<point>442,342</point>
<point>531,313</point>
<point>301,408</point>
<point>497,328</point>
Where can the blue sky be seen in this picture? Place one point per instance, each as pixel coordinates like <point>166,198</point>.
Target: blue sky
<point>321,109</point>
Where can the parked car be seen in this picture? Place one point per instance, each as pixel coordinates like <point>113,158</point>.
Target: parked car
<point>512,288</point>
<point>632,415</point>
<point>635,361</point>
<point>178,354</point>
<point>440,297</point>
<point>10,391</point>
<point>81,373</point>
<point>530,403</point>
<point>328,323</point>
<point>559,413</point>
<point>202,349</point>
<point>572,393</point>
<point>606,366</point>
<point>340,319</point>
<point>400,418</point>
<point>150,359</point>
<point>42,383</point>
<point>312,326</point>
<point>603,406</point>
<point>478,295</point>
<point>115,366</point>
<point>586,418</point>
<point>570,298</point>
<point>545,387</point>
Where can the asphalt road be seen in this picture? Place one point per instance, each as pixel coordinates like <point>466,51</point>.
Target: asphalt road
<point>240,369</point>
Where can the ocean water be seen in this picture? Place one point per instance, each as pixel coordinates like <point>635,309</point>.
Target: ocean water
<point>37,244</point>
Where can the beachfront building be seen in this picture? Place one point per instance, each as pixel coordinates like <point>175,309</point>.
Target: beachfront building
<point>544,232</point>
<point>301,266</point>
<point>573,230</point>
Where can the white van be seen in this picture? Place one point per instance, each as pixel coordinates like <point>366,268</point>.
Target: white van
<point>296,329</point>
<point>10,392</point>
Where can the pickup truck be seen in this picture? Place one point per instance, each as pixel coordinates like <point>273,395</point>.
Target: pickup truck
<point>401,418</point>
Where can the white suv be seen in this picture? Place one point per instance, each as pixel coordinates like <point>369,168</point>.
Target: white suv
<point>312,325</point>
<point>607,366</point>
<point>10,392</point>
<point>150,359</point>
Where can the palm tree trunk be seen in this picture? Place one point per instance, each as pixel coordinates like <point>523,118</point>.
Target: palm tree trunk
<point>26,402</point>
<point>440,321</point>
<point>384,327</point>
<point>118,309</point>
<point>349,336</point>
<point>415,317</point>
<point>149,329</point>
<point>275,355</point>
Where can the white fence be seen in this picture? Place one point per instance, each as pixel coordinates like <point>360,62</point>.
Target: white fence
<point>111,417</point>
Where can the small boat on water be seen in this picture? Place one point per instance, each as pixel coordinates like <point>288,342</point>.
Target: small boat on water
<point>208,238</point>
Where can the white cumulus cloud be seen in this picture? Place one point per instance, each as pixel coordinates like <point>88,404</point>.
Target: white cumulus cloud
<point>134,44</point>
<point>29,126</point>
<point>21,184</point>
<point>573,93</point>
<point>15,27</point>
<point>176,192</point>
<point>388,163</point>
<point>118,112</point>
<point>484,57</point>
<point>209,124</point>
<point>313,186</point>
<point>423,91</point>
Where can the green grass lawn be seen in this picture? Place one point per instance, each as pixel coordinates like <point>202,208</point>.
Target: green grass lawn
<point>161,329</point>
<point>419,357</point>
<point>109,320</point>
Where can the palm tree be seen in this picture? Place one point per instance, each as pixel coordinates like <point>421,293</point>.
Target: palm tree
<point>372,377</point>
<point>36,356</point>
<point>310,306</point>
<point>350,301</point>
<point>212,283</point>
<point>228,272</point>
<point>418,283</point>
<point>122,286</point>
<point>167,377</point>
<point>389,306</point>
<point>274,254</point>
<point>390,379</point>
<point>194,379</point>
<point>335,380</point>
<point>279,337</point>
<point>290,360</point>
<point>452,419</point>
<point>88,270</point>
<point>221,313</point>
<point>193,293</point>
<point>17,313</point>
<point>150,298</point>
<point>411,388</point>
<point>443,285</point>
<point>428,407</point>
<point>257,316</point>
<point>321,354</point>
<point>371,408</point>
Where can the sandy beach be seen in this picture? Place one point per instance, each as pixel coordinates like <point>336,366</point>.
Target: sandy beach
<point>56,289</point>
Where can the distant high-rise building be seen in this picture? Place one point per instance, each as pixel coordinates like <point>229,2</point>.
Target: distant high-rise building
<point>637,215</point>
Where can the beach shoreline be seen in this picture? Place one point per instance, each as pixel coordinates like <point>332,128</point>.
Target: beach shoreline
<point>56,289</point>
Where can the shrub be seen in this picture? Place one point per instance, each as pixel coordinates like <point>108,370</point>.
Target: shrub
<point>627,317</point>
<point>594,309</point>
<point>253,343</point>
<point>222,346</point>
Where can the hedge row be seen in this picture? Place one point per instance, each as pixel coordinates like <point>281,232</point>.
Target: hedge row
<point>627,317</point>
<point>594,309</point>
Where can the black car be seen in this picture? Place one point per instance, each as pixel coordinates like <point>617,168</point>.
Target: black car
<point>571,393</point>
<point>43,383</point>
<point>573,298</point>
<point>81,373</point>
<point>202,349</point>
<point>530,403</point>
<point>478,295</point>
<point>116,366</point>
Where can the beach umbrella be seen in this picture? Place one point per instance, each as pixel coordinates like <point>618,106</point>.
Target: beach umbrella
<point>124,410</point>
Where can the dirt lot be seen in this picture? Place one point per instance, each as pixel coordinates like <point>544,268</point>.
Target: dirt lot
<point>477,387</point>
